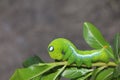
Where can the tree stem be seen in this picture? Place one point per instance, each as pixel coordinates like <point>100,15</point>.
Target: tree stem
<point>105,64</point>
<point>97,64</point>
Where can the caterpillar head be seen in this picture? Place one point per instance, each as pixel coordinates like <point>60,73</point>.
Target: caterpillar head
<point>55,49</point>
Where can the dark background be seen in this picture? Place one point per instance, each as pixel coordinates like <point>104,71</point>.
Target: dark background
<point>27,26</point>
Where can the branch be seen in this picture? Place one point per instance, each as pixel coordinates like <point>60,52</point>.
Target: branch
<point>97,64</point>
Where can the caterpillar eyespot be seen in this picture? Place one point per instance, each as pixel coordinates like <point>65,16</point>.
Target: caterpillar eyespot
<point>51,48</point>
<point>65,50</point>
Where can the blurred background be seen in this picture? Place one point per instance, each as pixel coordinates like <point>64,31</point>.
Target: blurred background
<point>27,27</point>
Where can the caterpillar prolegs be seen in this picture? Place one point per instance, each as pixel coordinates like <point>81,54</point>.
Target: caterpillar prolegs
<point>63,49</point>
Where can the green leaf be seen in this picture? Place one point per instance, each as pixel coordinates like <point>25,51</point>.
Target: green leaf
<point>106,74</point>
<point>85,77</point>
<point>52,75</point>
<point>93,36</point>
<point>31,72</point>
<point>95,39</point>
<point>117,46</point>
<point>32,60</point>
<point>36,78</point>
<point>75,72</point>
<point>116,73</point>
<point>96,71</point>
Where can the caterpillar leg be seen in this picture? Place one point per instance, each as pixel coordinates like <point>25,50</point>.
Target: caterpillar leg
<point>87,61</point>
<point>78,62</point>
<point>71,59</point>
<point>66,56</point>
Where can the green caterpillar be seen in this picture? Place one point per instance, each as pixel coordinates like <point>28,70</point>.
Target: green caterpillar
<point>65,50</point>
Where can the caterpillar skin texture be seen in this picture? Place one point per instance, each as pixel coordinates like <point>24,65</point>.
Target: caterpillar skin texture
<point>63,49</point>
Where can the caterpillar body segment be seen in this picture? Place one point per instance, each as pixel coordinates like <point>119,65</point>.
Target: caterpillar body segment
<point>64,50</point>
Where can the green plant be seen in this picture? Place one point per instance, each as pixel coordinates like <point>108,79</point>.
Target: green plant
<point>35,69</point>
